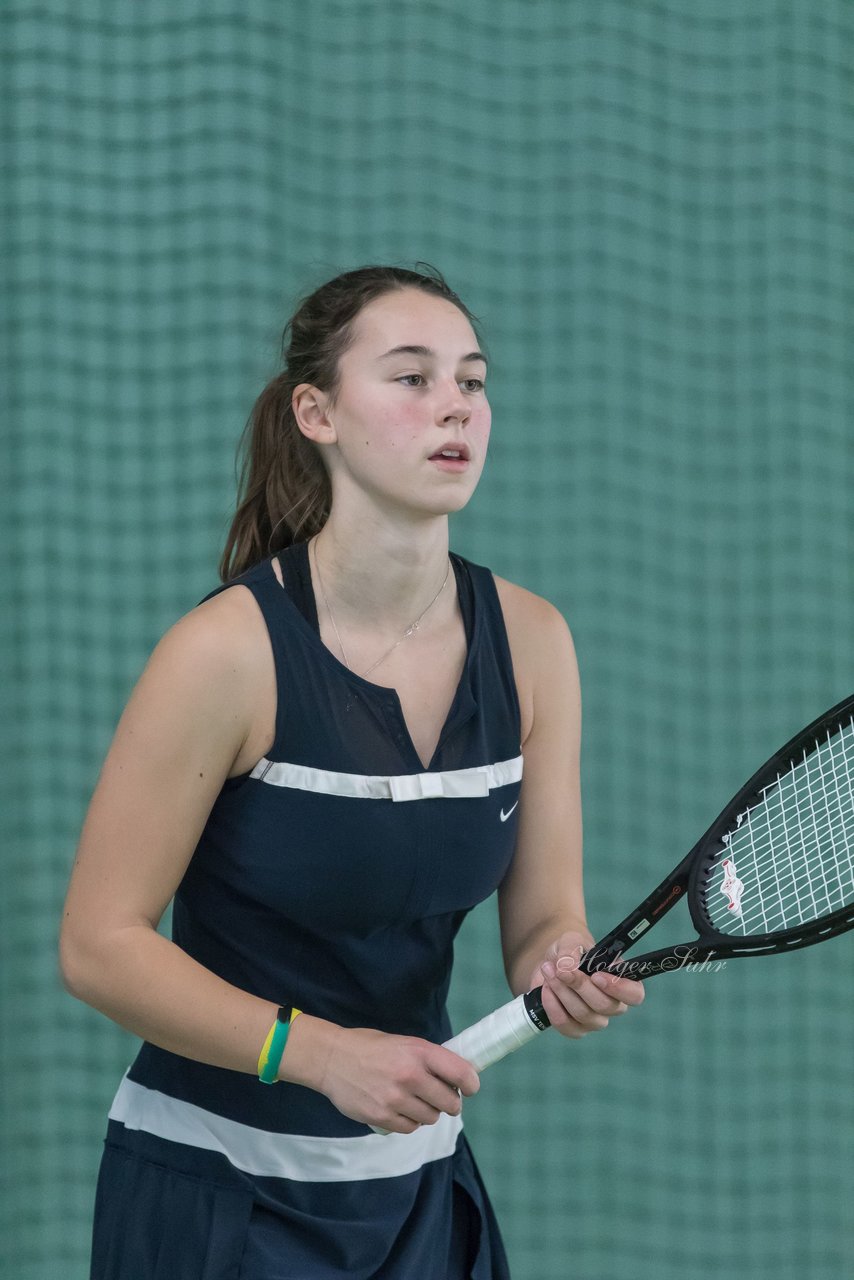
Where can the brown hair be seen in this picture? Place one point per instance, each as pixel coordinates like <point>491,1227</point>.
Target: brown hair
<point>285,488</point>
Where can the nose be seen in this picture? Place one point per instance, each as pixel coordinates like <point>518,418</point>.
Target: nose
<point>454,405</point>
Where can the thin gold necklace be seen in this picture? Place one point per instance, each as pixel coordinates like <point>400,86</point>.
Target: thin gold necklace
<point>413,626</point>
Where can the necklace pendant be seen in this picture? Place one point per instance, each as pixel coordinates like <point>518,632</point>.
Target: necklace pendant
<point>409,630</point>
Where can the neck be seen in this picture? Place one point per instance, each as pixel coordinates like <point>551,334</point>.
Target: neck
<point>381,578</point>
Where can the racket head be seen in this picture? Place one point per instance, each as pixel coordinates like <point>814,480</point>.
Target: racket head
<point>775,870</point>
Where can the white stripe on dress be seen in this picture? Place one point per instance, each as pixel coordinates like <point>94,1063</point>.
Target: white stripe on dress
<point>283,1155</point>
<point>454,784</point>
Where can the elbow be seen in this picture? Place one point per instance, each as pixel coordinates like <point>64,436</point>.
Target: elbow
<point>80,965</point>
<point>96,964</point>
<point>72,968</point>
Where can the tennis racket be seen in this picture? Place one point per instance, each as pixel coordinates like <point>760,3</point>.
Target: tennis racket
<point>774,872</point>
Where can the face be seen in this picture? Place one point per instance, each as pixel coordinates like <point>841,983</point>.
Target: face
<point>396,413</point>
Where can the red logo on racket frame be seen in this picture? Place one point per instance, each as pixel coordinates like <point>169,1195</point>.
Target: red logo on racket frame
<point>674,893</point>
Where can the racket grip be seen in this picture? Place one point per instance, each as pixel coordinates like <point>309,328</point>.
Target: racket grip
<point>499,1033</point>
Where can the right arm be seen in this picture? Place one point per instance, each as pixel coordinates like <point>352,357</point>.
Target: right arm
<point>176,742</point>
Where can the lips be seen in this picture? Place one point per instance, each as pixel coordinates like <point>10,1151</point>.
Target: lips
<point>452,453</point>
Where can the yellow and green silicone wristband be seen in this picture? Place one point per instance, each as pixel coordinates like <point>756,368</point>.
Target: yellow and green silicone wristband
<point>274,1045</point>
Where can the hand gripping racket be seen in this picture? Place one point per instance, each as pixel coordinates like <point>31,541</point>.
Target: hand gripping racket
<point>774,872</point>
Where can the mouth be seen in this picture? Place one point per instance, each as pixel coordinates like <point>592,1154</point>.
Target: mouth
<point>453,457</point>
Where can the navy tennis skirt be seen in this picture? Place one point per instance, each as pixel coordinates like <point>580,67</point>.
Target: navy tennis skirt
<point>157,1223</point>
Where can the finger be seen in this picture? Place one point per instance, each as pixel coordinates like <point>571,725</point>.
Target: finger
<point>558,1016</point>
<point>453,1070</point>
<point>441,1092</point>
<point>396,1124</point>
<point>440,1096</point>
<point>605,983</point>
<point>423,1098</point>
<point>570,1003</point>
<point>592,993</point>
<point>417,1111</point>
<point>566,1025</point>
<point>411,1115</point>
<point>629,990</point>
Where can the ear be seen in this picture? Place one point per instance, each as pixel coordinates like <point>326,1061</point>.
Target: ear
<point>309,406</point>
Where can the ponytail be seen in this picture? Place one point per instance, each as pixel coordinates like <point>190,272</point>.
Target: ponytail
<point>287,495</point>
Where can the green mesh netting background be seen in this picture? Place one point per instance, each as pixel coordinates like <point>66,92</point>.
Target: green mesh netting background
<point>649,205</point>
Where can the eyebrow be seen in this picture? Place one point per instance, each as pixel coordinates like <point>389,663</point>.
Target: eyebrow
<point>428,351</point>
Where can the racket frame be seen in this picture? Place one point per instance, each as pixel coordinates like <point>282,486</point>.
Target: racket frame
<point>689,879</point>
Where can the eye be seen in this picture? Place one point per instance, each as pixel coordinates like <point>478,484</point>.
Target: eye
<point>478,383</point>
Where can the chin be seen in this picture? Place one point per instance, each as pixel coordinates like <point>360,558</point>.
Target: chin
<point>454,497</point>
<point>449,508</point>
<point>462,501</point>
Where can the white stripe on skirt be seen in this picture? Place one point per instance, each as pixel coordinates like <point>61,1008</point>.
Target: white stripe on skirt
<point>283,1155</point>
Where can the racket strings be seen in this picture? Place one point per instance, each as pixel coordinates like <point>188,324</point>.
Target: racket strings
<point>790,859</point>
<point>807,867</point>
<point>775,850</point>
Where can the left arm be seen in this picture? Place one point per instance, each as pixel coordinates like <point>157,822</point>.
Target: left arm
<point>541,899</point>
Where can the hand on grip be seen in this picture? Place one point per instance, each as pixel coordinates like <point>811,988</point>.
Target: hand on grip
<point>395,1083</point>
<point>494,1036</point>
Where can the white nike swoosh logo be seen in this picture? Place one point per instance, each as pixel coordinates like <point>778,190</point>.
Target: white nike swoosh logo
<point>505,816</point>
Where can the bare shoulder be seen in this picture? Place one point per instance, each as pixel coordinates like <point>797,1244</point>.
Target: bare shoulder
<point>221,637</point>
<point>212,674</point>
<point>540,642</point>
<point>230,622</point>
<point>526,610</point>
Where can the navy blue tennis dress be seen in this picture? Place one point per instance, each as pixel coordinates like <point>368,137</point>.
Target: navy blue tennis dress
<point>333,876</point>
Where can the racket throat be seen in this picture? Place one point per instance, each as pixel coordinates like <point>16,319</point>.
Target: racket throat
<point>601,957</point>
<point>690,956</point>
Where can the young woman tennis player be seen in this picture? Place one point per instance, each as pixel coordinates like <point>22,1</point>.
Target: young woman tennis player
<point>322,763</point>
